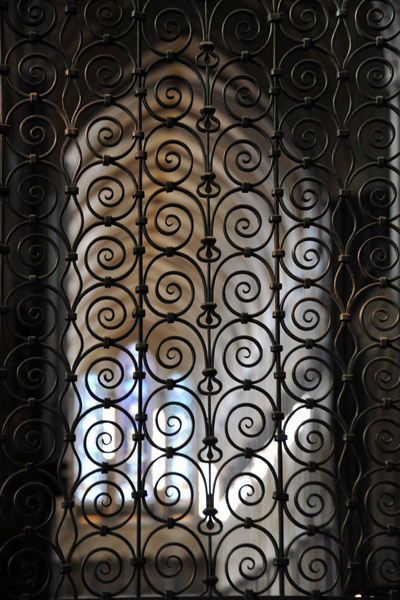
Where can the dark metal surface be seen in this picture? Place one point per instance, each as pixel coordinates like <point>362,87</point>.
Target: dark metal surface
<point>199,299</point>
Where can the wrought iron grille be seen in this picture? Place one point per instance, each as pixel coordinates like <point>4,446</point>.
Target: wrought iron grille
<point>199,299</point>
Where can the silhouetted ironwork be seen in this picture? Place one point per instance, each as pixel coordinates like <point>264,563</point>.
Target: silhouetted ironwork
<point>199,299</point>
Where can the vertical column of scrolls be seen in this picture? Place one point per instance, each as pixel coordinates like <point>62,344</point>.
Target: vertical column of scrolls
<point>69,31</point>
<point>368,276</point>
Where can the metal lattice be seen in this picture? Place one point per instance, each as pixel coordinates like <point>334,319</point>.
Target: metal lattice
<point>199,299</point>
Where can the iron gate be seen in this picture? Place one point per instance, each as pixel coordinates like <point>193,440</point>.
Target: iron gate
<point>199,298</point>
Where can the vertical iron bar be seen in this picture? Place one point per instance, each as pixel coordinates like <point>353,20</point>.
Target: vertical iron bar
<point>139,197</point>
<point>277,286</point>
<point>2,172</point>
<point>209,292</point>
<point>2,213</point>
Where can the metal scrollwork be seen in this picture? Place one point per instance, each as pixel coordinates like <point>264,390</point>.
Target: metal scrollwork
<point>199,299</point>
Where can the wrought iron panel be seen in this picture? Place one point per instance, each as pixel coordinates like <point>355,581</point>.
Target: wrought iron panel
<point>199,299</point>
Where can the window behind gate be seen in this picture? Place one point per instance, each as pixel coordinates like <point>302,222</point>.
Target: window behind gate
<point>199,299</point>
